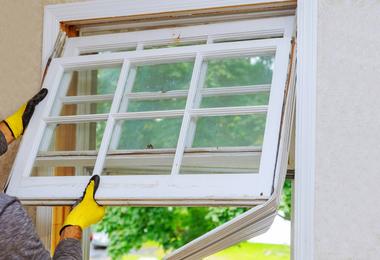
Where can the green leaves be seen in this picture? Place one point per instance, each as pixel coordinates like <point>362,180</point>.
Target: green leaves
<point>130,227</point>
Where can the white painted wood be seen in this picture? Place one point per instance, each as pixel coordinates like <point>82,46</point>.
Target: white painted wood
<point>193,89</point>
<point>305,130</point>
<point>124,103</point>
<point>171,55</point>
<point>157,95</point>
<point>98,29</point>
<point>43,225</point>
<point>251,29</point>
<point>258,219</point>
<point>54,14</point>
<point>86,99</point>
<point>228,111</point>
<point>187,188</point>
<point>75,119</point>
<point>148,114</point>
<point>95,9</point>
<point>111,121</point>
<point>238,90</point>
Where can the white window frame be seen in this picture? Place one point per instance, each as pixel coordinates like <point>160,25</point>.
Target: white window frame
<point>250,189</point>
<point>303,247</point>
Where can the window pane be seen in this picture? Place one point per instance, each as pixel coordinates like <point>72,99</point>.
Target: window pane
<point>62,168</point>
<point>156,105</point>
<point>86,108</point>
<point>219,131</point>
<point>242,71</point>
<point>147,133</point>
<point>73,137</point>
<point>258,99</point>
<point>163,77</point>
<point>91,82</point>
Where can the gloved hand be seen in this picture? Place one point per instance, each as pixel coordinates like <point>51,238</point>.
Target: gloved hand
<point>18,122</point>
<point>87,211</point>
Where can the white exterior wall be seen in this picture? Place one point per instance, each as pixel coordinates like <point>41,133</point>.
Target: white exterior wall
<point>347,212</point>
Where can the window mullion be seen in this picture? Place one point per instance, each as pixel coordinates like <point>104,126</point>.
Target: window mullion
<point>186,121</point>
<point>198,98</point>
<point>123,105</point>
<point>111,121</point>
<point>125,100</point>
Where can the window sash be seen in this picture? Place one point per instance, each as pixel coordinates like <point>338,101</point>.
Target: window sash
<point>251,189</point>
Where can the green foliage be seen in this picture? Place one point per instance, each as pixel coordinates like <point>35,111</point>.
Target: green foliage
<point>130,227</point>
<point>286,200</point>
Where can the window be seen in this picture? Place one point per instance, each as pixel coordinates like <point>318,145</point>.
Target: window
<point>153,113</point>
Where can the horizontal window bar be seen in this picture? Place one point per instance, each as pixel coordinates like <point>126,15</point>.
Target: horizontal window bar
<point>228,111</point>
<point>67,153</point>
<point>76,119</point>
<point>226,91</point>
<point>157,95</point>
<point>79,154</point>
<point>148,114</point>
<point>154,56</point>
<point>86,99</point>
<point>222,91</point>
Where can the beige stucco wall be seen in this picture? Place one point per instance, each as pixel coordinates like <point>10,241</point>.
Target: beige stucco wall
<point>20,59</point>
<point>347,209</point>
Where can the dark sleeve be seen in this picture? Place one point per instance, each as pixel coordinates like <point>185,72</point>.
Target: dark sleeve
<point>69,249</point>
<point>18,239</point>
<point>3,144</point>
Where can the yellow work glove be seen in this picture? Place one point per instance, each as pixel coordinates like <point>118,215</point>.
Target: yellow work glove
<point>87,211</point>
<point>18,122</point>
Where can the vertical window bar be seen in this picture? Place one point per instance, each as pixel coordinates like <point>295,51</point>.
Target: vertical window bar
<point>123,105</point>
<point>198,98</point>
<point>187,116</point>
<point>57,106</point>
<point>111,121</point>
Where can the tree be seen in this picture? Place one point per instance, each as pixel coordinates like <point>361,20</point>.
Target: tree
<point>171,227</point>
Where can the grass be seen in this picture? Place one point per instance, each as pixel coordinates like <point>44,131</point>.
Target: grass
<point>250,251</point>
<point>242,251</point>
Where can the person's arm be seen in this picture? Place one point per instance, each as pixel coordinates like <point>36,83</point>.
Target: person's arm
<point>14,126</point>
<point>18,238</point>
<point>69,246</point>
<point>84,214</point>
<point>6,137</point>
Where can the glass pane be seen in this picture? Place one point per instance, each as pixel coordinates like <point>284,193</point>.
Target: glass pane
<point>243,71</point>
<point>63,168</point>
<point>156,105</point>
<point>257,99</point>
<point>227,131</point>
<point>147,133</point>
<point>163,77</point>
<point>91,82</point>
<point>147,164</point>
<point>220,163</point>
<point>86,108</point>
<point>73,137</point>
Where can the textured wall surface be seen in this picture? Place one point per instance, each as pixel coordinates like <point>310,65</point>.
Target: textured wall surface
<point>347,212</point>
<point>21,24</point>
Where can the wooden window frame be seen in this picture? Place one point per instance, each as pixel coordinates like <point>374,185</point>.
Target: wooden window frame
<point>303,246</point>
<point>175,189</point>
